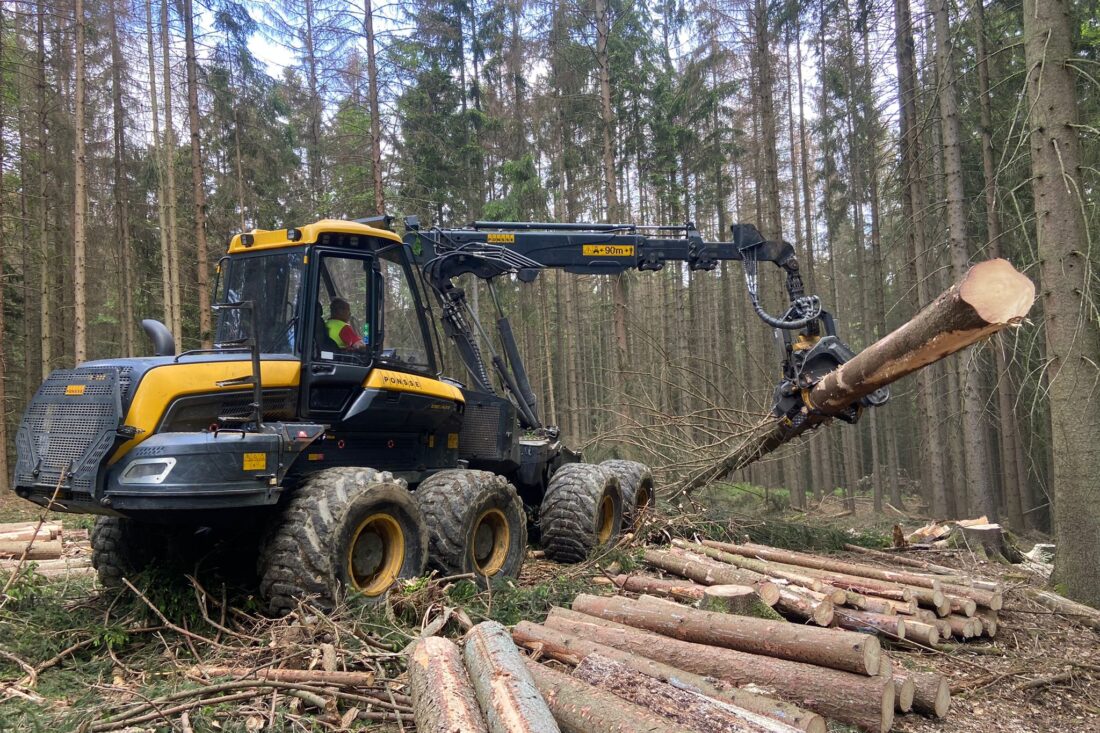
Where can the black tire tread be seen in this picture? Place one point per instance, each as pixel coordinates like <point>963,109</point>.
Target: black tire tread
<point>632,476</point>
<point>568,512</point>
<point>295,557</point>
<point>445,500</point>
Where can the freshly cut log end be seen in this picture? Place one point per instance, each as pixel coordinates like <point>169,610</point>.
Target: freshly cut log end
<point>690,709</point>
<point>443,696</point>
<point>904,692</point>
<point>819,612</point>
<point>502,683</point>
<point>923,633</point>
<point>740,600</point>
<point>931,693</point>
<point>997,292</point>
<point>578,707</point>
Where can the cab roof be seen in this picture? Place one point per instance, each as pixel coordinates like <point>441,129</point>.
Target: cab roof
<point>308,234</point>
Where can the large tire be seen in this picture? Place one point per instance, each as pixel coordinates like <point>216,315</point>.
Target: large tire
<point>476,524</point>
<point>582,509</point>
<point>345,530</point>
<point>639,496</point>
<point>122,548</point>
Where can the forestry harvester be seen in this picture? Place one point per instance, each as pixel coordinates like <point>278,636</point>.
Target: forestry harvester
<point>321,423</point>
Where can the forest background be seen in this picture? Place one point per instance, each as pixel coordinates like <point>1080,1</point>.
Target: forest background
<point>891,141</point>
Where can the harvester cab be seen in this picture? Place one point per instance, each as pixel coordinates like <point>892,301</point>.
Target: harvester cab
<point>322,423</point>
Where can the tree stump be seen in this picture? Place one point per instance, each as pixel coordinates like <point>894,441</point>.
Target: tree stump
<point>741,600</point>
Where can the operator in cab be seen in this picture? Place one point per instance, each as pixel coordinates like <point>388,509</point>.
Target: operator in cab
<point>340,329</point>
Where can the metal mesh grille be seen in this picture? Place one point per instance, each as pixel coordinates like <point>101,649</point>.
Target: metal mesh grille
<point>68,428</point>
<point>480,430</point>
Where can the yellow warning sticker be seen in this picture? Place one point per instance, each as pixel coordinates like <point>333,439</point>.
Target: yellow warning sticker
<point>254,461</point>
<point>607,250</point>
<point>452,441</point>
<point>501,238</point>
<point>74,390</point>
<point>316,457</point>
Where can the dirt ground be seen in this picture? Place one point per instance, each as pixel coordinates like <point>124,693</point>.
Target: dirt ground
<point>1041,673</point>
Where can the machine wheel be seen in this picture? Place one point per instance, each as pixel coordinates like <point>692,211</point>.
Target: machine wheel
<point>345,530</point>
<point>582,509</point>
<point>476,524</point>
<point>638,493</point>
<point>120,548</point>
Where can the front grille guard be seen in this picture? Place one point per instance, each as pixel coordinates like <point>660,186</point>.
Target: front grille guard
<point>68,429</point>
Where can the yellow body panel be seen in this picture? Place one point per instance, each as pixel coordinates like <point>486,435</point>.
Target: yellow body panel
<point>165,383</point>
<point>401,382</point>
<point>276,238</point>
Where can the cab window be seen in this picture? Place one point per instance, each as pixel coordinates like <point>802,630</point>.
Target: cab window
<point>400,325</point>
<point>273,284</point>
<point>344,308</point>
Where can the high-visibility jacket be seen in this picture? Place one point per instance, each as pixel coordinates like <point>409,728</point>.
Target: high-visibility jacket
<point>342,332</point>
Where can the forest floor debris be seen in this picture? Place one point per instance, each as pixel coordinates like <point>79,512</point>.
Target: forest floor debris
<point>72,654</point>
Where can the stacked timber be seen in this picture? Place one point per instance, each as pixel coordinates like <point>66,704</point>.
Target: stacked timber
<point>51,551</point>
<point>923,606</point>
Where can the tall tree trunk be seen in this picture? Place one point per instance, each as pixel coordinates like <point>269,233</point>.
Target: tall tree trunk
<point>913,209</point>
<point>982,499</point>
<point>1006,397</point>
<point>197,178</point>
<point>170,181</point>
<point>45,272</point>
<point>1072,333</point>
<point>375,114</point>
<point>315,109</point>
<point>3,279</point>
<point>771,223</point>
<point>122,193</point>
<point>80,315</point>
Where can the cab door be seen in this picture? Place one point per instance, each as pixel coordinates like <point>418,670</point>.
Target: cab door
<point>343,315</point>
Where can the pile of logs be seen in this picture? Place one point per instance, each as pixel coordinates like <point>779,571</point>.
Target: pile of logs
<point>920,602</point>
<point>55,553</point>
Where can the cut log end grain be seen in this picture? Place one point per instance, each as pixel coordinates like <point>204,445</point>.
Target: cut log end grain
<point>997,292</point>
<point>904,692</point>
<point>443,696</point>
<point>740,600</point>
<point>931,693</point>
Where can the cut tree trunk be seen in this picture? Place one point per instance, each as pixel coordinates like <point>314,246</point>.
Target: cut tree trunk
<point>765,569</point>
<point>991,599</point>
<point>740,600</point>
<point>48,550</point>
<point>570,649</point>
<point>991,296</point>
<point>826,647</point>
<point>923,632</point>
<point>318,676</point>
<point>503,686</point>
<point>829,564</point>
<point>871,623</point>
<point>443,696</point>
<point>690,709</point>
<point>898,559</point>
<point>904,691</point>
<point>932,696</point>
<point>989,621</point>
<point>680,590</point>
<point>865,702</point>
<point>710,573</point>
<point>805,607</point>
<point>578,707</point>
<point>964,606</point>
<point>964,627</point>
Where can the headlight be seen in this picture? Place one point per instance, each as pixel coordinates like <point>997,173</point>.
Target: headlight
<point>147,471</point>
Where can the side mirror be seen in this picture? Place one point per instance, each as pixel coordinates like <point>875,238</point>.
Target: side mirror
<point>158,333</point>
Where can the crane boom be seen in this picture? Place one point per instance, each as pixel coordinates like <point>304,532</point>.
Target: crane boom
<point>490,249</point>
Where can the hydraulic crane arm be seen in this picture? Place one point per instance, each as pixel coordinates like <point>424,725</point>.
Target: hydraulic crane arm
<point>490,249</point>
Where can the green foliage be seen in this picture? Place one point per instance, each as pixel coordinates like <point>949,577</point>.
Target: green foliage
<point>510,603</point>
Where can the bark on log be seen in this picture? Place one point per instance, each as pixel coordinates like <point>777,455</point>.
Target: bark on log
<point>899,559</point>
<point>804,607</point>
<point>570,649</point>
<point>991,296</point>
<point>925,633</point>
<point>873,604</point>
<point>963,627</point>
<point>690,709</point>
<point>1077,612</point>
<point>40,550</point>
<point>990,622</point>
<point>932,696</point>
<point>825,647</point>
<point>991,599</point>
<point>711,573</point>
<point>830,564</point>
<point>865,702</point>
<point>765,569</point>
<point>960,605</point>
<point>318,676</point>
<point>681,590</point>
<point>578,707</point>
<point>503,686</point>
<point>443,696</point>
<point>904,691</point>
<point>865,622</point>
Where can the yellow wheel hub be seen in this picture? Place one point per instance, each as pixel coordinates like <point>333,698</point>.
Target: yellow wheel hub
<point>376,554</point>
<point>641,505</point>
<point>491,539</point>
<point>605,519</point>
